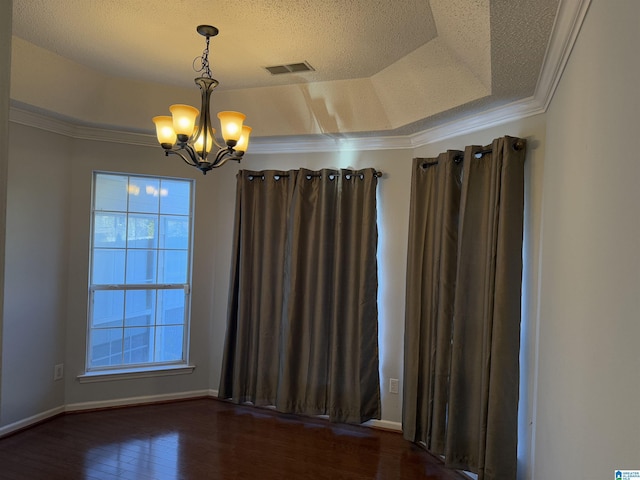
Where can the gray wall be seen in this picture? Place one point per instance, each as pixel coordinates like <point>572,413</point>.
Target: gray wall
<point>587,419</point>
<point>6,12</point>
<point>47,262</point>
<point>89,156</point>
<point>35,271</point>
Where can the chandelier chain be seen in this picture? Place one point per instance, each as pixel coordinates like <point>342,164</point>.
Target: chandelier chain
<point>203,62</point>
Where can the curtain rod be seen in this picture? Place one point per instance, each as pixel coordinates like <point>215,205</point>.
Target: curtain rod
<point>519,144</point>
<point>377,173</point>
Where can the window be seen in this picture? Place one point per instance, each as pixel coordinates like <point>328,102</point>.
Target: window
<point>140,271</point>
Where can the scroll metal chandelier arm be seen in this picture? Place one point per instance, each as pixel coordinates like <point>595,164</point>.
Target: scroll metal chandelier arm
<point>191,157</point>
<point>226,154</point>
<point>188,160</point>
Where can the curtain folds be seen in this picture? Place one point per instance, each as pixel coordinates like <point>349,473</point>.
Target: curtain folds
<point>432,253</point>
<point>302,321</point>
<point>462,325</point>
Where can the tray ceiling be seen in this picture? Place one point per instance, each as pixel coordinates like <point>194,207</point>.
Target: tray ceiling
<point>380,67</point>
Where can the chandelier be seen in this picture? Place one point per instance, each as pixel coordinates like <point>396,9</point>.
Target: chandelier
<point>178,134</point>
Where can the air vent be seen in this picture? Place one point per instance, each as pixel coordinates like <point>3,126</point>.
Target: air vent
<point>290,68</point>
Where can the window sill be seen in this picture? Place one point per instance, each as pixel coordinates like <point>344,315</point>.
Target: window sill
<point>126,374</point>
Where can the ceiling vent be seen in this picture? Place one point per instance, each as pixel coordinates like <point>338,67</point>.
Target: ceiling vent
<point>290,68</point>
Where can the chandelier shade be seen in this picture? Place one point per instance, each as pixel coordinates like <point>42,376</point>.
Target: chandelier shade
<point>179,134</point>
<point>184,118</point>
<point>231,126</point>
<point>164,130</point>
<point>243,142</point>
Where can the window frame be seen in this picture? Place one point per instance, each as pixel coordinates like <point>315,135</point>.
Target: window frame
<point>138,369</point>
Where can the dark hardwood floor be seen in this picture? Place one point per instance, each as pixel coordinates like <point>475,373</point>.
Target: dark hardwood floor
<point>209,439</point>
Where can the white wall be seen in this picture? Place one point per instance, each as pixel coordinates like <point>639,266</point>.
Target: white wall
<point>588,385</point>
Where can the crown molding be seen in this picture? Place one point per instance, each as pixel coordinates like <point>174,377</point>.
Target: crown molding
<point>22,115</point>
<point>328,143</point>
<point>473,123</point>
<point>569,19</point>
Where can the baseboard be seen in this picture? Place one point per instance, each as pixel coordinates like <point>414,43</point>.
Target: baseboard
<point>30,421</point>
<point>384,425</point>
<point>131,401</point>
<point>144,400</point>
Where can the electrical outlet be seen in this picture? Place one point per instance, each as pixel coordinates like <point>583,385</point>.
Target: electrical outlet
<point>58,371</point>
<point>393,385</point>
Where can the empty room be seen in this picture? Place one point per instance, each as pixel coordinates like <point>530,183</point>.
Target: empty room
<point>316,239</point>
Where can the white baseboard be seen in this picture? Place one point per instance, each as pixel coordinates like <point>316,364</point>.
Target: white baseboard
<point>146,399</point>
<point>122,402</point>
<point>384,425</point>
<point>27,422</point>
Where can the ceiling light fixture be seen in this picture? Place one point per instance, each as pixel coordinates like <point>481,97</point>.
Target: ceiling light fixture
<point>179,136</point>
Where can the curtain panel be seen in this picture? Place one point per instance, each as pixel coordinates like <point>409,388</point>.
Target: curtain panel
<point>302,330</point>
<point>462,321</point>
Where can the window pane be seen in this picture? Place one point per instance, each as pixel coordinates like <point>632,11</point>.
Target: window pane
<point>171,307</point>
<point>169,343</point>
<point>108,308</point>
<point>174,232</point>
<point>175,197</point>
<point>106,347</point>
<point>108,267</point>
<point>141,266</point>
<point>111,192</point>
<point>143,231</point>
<point>109,230</point>
<point>138,345</point>
<point>172,266</point>
<point>141,308</point>
<point>144,194</point>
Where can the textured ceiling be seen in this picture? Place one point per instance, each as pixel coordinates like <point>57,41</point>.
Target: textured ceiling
<point>156,41</point>
<point>412,62</point>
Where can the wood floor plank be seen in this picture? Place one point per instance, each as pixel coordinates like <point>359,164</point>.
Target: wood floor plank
<point>210,439</point>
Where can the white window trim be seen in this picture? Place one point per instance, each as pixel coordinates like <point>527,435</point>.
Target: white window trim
<point>139,372</point>
<point>180,367</point>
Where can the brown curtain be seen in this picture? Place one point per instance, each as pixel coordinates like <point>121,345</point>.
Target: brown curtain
<point>462,326</point>
<point>302,328</point>
<point>431,272</point>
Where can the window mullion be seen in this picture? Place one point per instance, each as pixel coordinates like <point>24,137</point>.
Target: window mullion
<point>141,286</point>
